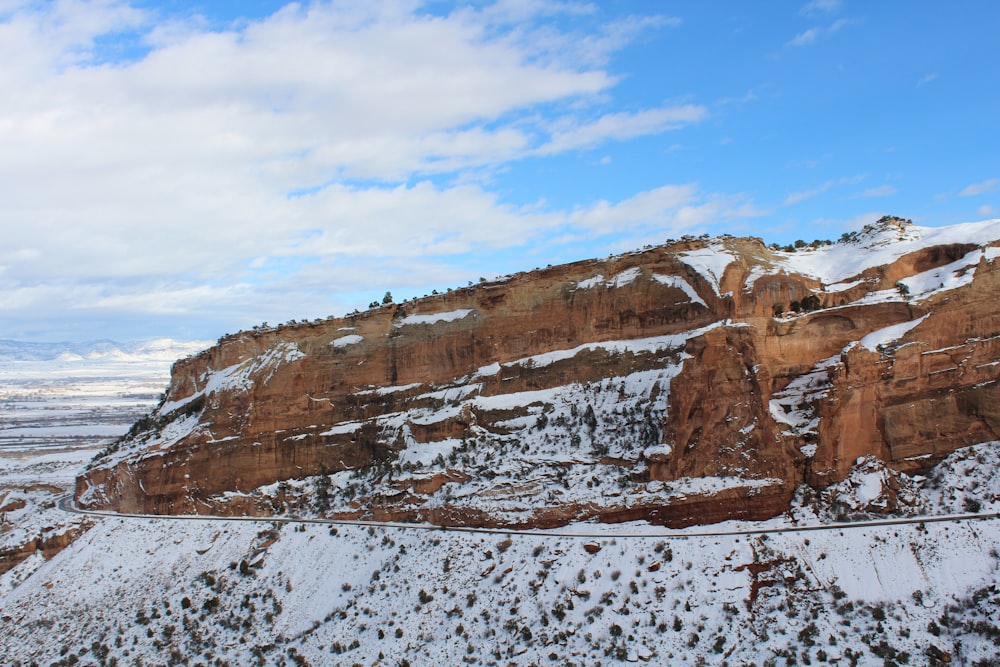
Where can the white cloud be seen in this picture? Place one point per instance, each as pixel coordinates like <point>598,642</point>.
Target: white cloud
<point>880,191</point>
<point>820,7</point>
<point>379,99</point>
<point>805,38</point>
<point>371,239</point>
<point>812,35</point>
<point>750,96</point>
<point>670,209</point>
<point>975,189</point>
<point>411,222</point>
<point>621,126</point>
<point>660,206</point>
<point>796,197</point>
<point>837,25</point>
<point>927,78</point>
<point>986,210</point>
<point>232,170</point>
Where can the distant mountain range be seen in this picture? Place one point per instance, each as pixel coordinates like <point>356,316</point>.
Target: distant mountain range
<point>157,349</point>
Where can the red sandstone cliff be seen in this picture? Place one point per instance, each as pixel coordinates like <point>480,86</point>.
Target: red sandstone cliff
<point>656,385</point>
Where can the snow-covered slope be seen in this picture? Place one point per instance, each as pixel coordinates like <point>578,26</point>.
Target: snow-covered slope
<point>147,591</point>
<point>644,383</point>
<point>881,245</point>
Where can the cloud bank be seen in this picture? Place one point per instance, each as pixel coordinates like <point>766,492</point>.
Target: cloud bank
<point>167,167</point>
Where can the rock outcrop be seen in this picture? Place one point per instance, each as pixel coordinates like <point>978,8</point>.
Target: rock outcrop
<point>690,383</point>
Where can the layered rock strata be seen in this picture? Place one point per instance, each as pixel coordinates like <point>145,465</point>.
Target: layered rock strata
<point>689,383</point>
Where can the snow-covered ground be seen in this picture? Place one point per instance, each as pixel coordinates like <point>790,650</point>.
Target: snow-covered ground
<point>59,404</point>
<point>56,397</point>
<point>214,592</point>
<point>879,246</point>
<point>257,593</point>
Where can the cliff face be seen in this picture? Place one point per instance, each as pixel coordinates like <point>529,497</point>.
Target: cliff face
<point>657,385</point>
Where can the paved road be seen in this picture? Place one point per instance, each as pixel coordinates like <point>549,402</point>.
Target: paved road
<point>66,504</point>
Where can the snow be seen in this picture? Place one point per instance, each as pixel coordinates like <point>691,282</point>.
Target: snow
<point>450,316</point>
<point>879,296</point>
<point>794,405</point>
<point>69,430</point>
<point>657,450</point>
<point>487,371</point>
<point>342,428</point>
<point>425,453</point>
<point>516,399</point>
<point>634,346</point>
<point>452,393</point>
<point>311,590</point>
<point>948,277</point>
<point>241,375</point>
<point>50,404</point>
<point>626,277</point>
<point>60,357</point>
<point>864,489</point>
<point>681,284</point>
<point>315,589</point>
<point>677,596</point>
<point>840,262</point>
<point>842,287</point>
<point>886,335</point>
<point>395,389</point>
<point>590,283</point>
<point>344,341</point>
<point>42,467</point>
<point>710,262</point>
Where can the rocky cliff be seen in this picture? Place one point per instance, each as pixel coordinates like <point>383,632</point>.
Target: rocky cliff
<point>694,382</point>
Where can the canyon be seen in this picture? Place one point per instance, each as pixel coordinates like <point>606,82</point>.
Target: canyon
<point>700,381</point>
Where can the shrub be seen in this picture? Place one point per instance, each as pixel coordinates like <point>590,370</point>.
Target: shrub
<point>811,303</point>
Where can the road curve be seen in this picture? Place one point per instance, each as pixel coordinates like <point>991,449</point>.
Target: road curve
<point>66,504</point>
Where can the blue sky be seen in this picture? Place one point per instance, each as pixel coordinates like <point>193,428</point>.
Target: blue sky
<point>189,169</point>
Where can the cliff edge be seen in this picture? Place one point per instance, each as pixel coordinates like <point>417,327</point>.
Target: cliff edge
<point>699,381</point>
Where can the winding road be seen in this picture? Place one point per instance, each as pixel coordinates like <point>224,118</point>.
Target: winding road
<point>66,504</point>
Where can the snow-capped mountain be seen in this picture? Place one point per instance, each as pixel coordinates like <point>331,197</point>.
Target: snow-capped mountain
<point>159,349</point>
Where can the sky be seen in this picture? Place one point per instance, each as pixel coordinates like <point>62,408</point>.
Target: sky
<point>190,169</point>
